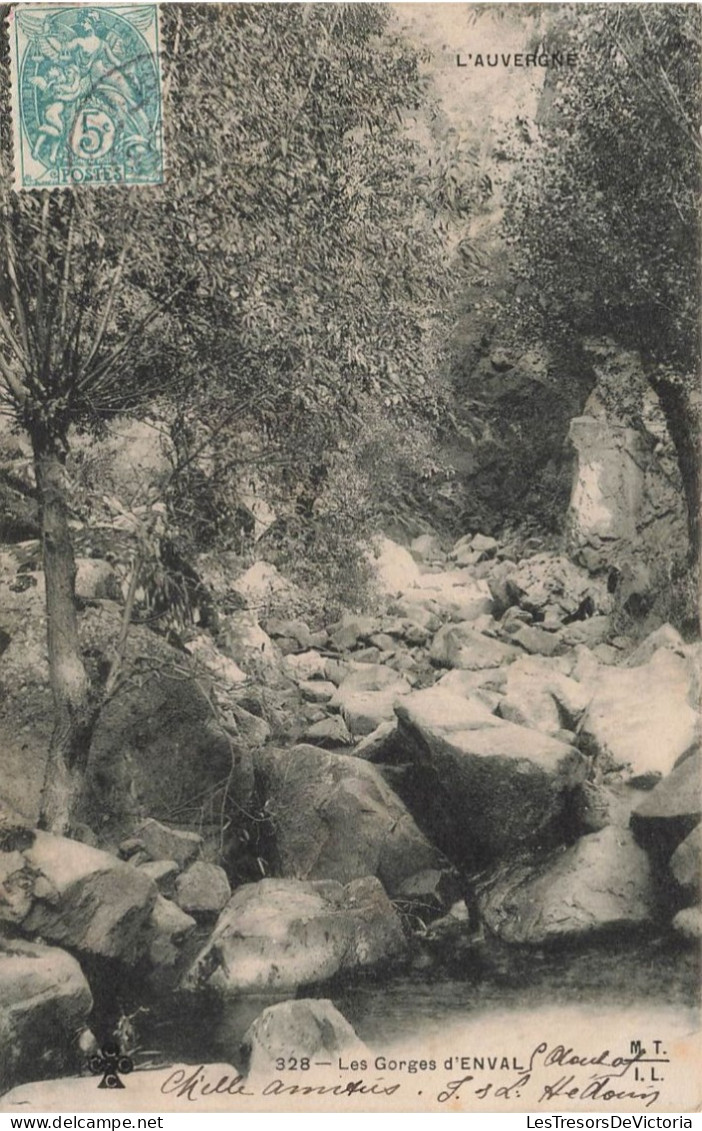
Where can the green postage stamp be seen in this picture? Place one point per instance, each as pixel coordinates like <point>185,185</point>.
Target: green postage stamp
<point>86,89</point>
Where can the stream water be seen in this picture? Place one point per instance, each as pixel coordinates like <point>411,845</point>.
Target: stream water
<point>646,975</point>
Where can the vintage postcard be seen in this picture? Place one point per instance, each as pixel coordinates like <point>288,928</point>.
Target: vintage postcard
<point>350,487</point>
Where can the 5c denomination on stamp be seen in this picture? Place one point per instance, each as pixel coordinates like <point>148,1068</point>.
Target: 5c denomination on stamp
<point>86,95</point>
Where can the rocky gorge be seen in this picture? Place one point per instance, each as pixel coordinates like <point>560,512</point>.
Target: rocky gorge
<point>484,763</point>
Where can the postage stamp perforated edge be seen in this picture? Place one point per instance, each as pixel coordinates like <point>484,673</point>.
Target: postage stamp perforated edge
<point>21,143</point>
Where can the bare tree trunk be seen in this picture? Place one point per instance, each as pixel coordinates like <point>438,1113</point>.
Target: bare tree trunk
<point>74,709</point>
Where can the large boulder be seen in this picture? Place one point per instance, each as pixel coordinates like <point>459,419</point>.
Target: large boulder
<point>45,1002</point>
<point>603,882</point>
<point>202,889</point>
<point>369,677</point>
<point>427,548</point>
<point>164,874</point>
<point>643,717</point>
<point>404,629</point>
<point>538,693</point>
<point>456,594</point>
<point>688,923</point>
<point>468,684</point>
<point>242,639</point>
<point>607,491</point>
<point>313,1027</point>
<point>87,900</point>
<point>334,818</point>
<point>353,630</point>
<point>461,646</point>
<point>317,690</point>
<point>537,642</point>
<point>96,580</point>
<point>686,863</point>
<point>167,931</point>
<point>365,711</point>
<point>262,588</point>
<point>367,697</point>
<point>305,666</point>
<point>504,787</point>
<point>665,636</point>
<point>161,842</point>
<point>554,590</point>
<point>627,502</point>
<point>276,935</point>
<point>393,566</point>
<point>474,548</point>
<point>416,611</point>
<point>220,668</point>
<point>329,733</point>
<point>379,745</point>
<point>670,812</point>
<point>294,634</point>
<point>158,743</point>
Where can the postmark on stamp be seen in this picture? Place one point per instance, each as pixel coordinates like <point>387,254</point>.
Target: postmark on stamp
<point>86,90</point>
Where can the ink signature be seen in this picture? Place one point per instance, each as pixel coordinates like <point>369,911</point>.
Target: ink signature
<point>601,1085</point>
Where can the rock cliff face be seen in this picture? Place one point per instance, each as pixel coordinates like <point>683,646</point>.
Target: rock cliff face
<point>514,461</point>
<point>627,509</point>
<point>542,418</point>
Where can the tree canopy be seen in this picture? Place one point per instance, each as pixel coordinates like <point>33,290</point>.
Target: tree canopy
<point>292,244</point>
<point>604,211</point>
<point>605,208</point>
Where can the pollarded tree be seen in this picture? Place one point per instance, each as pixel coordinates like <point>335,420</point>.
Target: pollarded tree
<point>287,269</point>
<point>605,212</point>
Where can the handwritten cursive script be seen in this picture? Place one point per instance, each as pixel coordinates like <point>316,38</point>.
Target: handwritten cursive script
<point>195,1084</point>
<point>604,1085</point>
<point>550,1074</point>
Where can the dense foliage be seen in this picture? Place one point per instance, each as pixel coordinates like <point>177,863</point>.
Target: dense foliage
<point>292,245</point>
<point>325,283</point>
<point>604,211</point>
<point>605,208</point>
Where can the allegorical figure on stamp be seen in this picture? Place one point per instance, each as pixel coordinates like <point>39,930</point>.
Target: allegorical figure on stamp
<point>88,94</point>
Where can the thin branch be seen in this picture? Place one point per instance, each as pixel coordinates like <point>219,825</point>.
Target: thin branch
<point>12,342</point>
<point>92,380</point>
<point>41,329</point>
<point>65,273</point>
<point>114,286</point>
<point>224,422</point>
<point>18,305</point>
<point>690,127</point>
<point>174,55</point>
<point>118,662</point>
<point>313,74</point>
<point>17,389</point>
<point>656,95</point>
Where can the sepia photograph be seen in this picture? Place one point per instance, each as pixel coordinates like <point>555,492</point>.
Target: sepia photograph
<point>350,520</point>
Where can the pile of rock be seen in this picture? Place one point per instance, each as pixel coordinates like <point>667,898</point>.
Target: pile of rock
<point>484,749</point>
